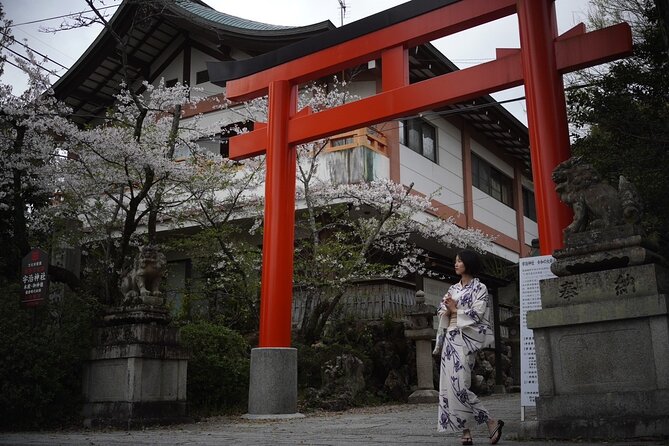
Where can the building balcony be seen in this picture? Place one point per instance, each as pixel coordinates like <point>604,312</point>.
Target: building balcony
<point>357,156</point>
<point>367,137</point>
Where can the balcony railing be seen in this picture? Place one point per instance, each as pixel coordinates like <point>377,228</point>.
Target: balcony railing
<point>367,137</point>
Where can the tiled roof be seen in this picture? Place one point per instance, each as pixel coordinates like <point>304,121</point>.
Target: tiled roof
<point>212,15</point>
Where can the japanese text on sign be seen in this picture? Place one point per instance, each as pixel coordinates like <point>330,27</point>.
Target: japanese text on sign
<point>34,277</point>
<point>532,270</point>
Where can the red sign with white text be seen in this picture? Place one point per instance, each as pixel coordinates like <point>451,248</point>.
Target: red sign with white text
<point>35,277</point>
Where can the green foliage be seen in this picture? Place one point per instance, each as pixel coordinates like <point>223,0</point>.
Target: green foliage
<point>381,346</point>
<point>218,368</point>
<point>42,353</point>
<point>312,358</point>
<point>227,283</point>
<point>329,261</point>
<point>620,118</point>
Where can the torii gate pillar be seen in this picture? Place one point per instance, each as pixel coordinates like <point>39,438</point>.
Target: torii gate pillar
<point>546,116</point>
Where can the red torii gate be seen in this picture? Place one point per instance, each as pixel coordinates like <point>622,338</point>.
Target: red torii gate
<point>539,63</point>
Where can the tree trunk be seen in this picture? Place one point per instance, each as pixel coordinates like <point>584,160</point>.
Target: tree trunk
<point>19,245</point>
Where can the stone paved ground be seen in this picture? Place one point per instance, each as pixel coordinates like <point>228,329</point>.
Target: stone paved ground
<point>405,425</point>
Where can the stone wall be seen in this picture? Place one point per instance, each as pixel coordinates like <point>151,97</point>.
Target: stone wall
<point>370,300</point>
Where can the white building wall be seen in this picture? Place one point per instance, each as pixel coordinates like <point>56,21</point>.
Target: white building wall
<point>199,63</point>
<point>444,179</point>
<point>531,227</point>
<point>531,230</point>
<point>173,71</point>
<point>493,213</point>
<point>487,209</point>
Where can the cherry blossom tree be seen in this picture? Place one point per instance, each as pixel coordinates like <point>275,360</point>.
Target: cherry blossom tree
<point>31,125</point>
<point>142,171</point>
<point>346,233</point>
<point>225,247</point>
<point>127,181</point>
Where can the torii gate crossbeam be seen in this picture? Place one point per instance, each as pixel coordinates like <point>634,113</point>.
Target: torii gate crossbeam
<point>539,64</point>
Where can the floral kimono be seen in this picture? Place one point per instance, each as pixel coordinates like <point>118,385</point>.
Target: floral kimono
<point>459,407</point>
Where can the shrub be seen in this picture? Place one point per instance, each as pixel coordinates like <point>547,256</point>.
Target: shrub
<point>312,358</point>
<point>42,351</point>
<point>381,346</point>
<point>218,368</point>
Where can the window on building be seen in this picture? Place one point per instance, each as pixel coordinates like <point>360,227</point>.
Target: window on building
<point>338,142</point>
<point>219,143</point>
<point>421,137</point>
<point>171,83</point>
<point>179,273</point>
<point>229,131</point>
<point>529,206</point>
<point>491,181</point>
<point>201,77</point>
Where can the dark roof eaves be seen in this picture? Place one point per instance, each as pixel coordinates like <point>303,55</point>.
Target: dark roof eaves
<point>92,48</point>
<point>105,35</point>
<point>296,31</point>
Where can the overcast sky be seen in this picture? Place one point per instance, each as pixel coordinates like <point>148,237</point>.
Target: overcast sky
<point>465,49</point>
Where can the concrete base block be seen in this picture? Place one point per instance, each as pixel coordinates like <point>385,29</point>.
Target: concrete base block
<point>424,396</point>
<point>275,416</point>
<point>137,373</point>
<point>273,382</point>
<point>499,389</point>
<point>132,415</point>
<point>602,356</point>
<point>598,429</point>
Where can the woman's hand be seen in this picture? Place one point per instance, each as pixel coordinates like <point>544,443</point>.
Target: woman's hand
<point>450,303</point>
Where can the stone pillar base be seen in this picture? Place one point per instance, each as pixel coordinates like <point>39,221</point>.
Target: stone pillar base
<point>129,415</point>
<point>635,414</point>
<point>499,389</point>
<point>137,372</point>
<point>602,359</point>
<point>424,396</point>
<point>273,383</point>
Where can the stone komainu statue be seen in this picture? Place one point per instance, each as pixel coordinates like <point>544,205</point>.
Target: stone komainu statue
<point>143,279</point>
<point>596,204</point>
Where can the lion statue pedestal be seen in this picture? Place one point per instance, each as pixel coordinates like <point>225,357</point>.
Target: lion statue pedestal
<point>137,372</point>
<point>601,333</point>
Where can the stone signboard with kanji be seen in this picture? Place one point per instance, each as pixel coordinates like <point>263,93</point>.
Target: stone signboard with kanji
<point>34,277</point>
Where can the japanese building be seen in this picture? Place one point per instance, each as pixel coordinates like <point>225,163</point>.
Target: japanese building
<point>474,155</point>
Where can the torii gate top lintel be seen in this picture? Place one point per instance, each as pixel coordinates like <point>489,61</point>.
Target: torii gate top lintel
<point>539,64</point>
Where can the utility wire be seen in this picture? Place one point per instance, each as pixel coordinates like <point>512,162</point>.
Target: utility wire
<point>4,59</point>
<point>38,53</point>
<point>60,16</point>
<point>24,57</point>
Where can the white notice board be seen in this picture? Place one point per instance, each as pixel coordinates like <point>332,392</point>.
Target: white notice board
<point>532,270</point>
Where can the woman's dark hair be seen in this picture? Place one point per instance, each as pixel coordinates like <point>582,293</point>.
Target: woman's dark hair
<point>472,262</point>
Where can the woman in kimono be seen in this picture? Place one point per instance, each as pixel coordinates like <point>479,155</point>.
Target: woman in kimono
<point>464,329</point>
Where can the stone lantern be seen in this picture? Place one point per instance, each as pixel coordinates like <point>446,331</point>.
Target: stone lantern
<point>421,330</point>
